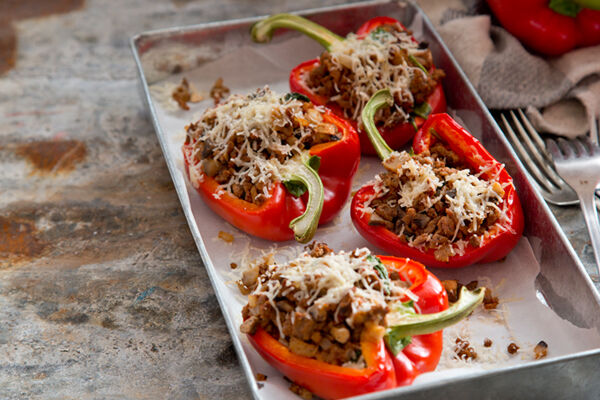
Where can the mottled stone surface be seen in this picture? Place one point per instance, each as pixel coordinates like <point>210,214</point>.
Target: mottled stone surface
<point>102,291</point>
<point>571,221</point>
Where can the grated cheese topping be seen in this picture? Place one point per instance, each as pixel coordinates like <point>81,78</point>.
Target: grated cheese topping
<point>474,197</point>
<point>326,280</point>
<point>472,200</point>
<point>368,59</point>
<point>421,178</point>
<point>250,122</point>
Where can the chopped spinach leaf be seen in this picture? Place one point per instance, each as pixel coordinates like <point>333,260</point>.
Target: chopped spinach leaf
<point>296,188</point>
<point>423,110</point>
<point>314,162</point>
<point>296,96</point>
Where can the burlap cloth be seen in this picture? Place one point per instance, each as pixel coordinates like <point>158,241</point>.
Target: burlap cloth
<point>561,94</point>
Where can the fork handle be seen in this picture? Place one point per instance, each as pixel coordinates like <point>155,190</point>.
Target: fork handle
<point>588,206</point>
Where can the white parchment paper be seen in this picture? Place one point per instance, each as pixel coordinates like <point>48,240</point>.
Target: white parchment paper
<point>522,317</point>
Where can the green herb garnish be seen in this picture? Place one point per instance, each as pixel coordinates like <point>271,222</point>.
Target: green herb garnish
<point>296,188</point>
<point>296,96</point>
<point>314,162</point>
<point>423,110</point>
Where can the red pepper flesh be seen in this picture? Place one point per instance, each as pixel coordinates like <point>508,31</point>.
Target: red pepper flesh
<point>495,245</point>
<point>270,220</point>
<point>327,380</point>
<point>395,136</point>
<point>383,371</point>
<point>424,351</point>
<point>545,30</point>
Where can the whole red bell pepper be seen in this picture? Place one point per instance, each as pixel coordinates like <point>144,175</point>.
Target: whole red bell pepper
<point>383,369</point>
<point>549,27</point>
<point>284,216</point>
<point>395,136</point>
<point>501,237</point>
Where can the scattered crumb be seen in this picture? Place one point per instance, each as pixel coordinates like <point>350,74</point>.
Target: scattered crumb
<point>540,350</point>
<point>490,302</point>
<point>300,391</point>
<point>512,348</point>
<point>245,290</point>
<point>451,287</point>
<point>260,385</point>
<point>487,342</point>
<point>233,265</point>
<point>261,377</point>
<point>185,93</point>
<point>472,285</point>
<point>227,237</point>
<point>464,350</point>
<point>219,91</point>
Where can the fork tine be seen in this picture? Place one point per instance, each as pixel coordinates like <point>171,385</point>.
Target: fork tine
<point>581,148</point>
<point>594,134</point>
<point>552,147</point>
<point>537,149</point>
<point>524,156</point>
<point>565,148</point>
<point>590,145</point>
<point>535,136</point>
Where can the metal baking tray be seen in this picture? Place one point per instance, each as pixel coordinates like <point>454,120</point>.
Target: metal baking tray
<point>559,281</point>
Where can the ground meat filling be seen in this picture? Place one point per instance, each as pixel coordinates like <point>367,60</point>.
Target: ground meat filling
<point>245,142</point>
<point>353,70</point>
<point>432,201</point>
<point>322,304</point>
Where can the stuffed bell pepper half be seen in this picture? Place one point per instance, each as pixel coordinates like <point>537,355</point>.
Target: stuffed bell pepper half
<point>274,166</point>
<point>348,323</point>
<point>382,54</point>
<point>447,203</point>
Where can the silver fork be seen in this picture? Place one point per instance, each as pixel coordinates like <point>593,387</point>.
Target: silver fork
<point>531,149</point>
<point>578,162</point>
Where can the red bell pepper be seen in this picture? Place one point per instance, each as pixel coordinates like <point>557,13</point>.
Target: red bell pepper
<point>549,27</point>
<point>283,216</point>
<point>383,369</point>
<point>395,136</point>
<point>327,380</point>
<point>501,237</point>
<point>424,351</point>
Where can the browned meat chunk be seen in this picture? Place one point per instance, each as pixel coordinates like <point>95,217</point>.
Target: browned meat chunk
<point>302,348</point>
<point>318,249</point>
<point>340,333</point>
<point>249,326</point>
<point>452,289</point>
<point>490,302</point>
<point>540,350</point>
<point>464,350</point>
<point>219,91</point>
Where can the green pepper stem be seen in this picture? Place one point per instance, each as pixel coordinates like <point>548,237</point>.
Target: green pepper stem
<point>593,4</point>
<point>381,98</point>
<point>565,7</point>
<point>405,324</point>
<point>305,226</point>
<point>262,31</point>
